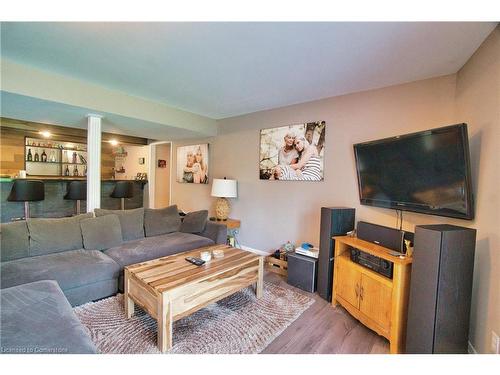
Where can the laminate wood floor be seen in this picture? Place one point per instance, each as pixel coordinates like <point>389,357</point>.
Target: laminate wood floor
<point>323,329</point>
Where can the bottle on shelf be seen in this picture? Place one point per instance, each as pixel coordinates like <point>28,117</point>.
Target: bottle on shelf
<point>85,171</point>
<point>29,157</point>
<point>37,157</point>
<point>74,157</point>
<point>52,157</point>
<point>44,156</point>
<point>75,171</point>
<point>66,171</point>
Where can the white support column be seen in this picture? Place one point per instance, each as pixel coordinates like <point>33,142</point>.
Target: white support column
<point>93,162</point>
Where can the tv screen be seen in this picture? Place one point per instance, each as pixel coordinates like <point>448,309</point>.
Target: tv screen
<point>426,172</point>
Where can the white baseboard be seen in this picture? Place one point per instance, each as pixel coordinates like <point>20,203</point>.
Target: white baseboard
<point>259,252</point>
<point>471,348</point>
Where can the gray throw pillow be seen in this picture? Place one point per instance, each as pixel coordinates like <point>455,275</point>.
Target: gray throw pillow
<point>161,221</point>
<point>49,236</point>
<point>194,222</point>
<point>132,221</point>
<point>14,241</point>
<point>101,233</point>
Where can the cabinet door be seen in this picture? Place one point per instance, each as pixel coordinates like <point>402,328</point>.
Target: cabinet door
<point>348,282</point>
<point>375,301</point>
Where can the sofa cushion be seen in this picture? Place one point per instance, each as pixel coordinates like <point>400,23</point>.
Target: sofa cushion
<point>132,221</point>
<point>14,241</point>
<point>101,233</point>
<point>194,222</point>
<point>216,231</point>
<point>156,247</point>
<point>70,269</point>
<point>55,235</point>
<point>161,221</point>
<point>37,318</point>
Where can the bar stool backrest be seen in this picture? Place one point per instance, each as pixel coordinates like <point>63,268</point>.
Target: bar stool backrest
<point>77,190</point>
<point>27,191</point>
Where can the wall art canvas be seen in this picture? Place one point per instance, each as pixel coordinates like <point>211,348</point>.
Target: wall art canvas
<point>192,164</point>
<point>293,152</point>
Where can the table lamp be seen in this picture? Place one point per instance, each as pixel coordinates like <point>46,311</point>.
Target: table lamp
<point>223,189</point>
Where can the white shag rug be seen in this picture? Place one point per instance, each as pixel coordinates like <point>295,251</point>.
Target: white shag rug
<point>238,324</point>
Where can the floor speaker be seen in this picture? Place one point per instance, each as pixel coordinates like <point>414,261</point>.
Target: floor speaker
<point>440,290</point>
<point>335,221</point>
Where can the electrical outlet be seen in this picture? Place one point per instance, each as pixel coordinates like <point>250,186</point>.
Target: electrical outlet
<point>495,343</point>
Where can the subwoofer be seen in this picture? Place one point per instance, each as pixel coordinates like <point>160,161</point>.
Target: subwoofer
<point>335,221</point>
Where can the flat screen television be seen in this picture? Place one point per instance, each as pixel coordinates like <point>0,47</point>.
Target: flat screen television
<point>426,172</point>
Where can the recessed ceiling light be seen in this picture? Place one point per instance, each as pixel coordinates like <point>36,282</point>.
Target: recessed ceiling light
<point>45,133</point>
<point>113,142</point>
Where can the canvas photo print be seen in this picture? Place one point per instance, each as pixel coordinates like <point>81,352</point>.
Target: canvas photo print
<point>192,164</point>
<point>293,152</point>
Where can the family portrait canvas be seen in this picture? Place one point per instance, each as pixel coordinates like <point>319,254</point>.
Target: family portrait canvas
<point>293,152</point>
<point>192,164</point>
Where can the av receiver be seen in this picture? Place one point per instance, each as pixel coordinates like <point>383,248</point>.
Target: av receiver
<point>379,265</point>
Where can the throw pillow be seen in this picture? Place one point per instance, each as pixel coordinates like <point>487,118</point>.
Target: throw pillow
<point>49,236</point>
<point>194,222</point>
<point>131,221</point>
<point>14,241</point>
<point>161,221</point>
<point>101,233</point>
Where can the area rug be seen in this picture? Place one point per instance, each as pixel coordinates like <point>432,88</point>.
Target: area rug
<point>238,324</point>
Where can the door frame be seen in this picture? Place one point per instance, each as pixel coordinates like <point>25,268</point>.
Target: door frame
<point>152,172</point>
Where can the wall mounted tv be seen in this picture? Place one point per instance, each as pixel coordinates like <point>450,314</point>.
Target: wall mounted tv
<point>426,172</point>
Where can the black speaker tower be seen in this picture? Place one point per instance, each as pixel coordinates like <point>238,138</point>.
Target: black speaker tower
<point>335,221</point>
<point>441,289</point>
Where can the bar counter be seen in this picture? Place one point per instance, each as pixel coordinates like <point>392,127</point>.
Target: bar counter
<point>55,205</point>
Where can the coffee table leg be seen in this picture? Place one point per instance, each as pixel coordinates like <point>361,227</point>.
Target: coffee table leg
<point>164,324</point>
<point>260,278</point>
<point>128,302</point>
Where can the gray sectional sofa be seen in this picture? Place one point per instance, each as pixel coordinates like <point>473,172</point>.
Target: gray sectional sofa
<point>85,255</point>
<point>38,319</point>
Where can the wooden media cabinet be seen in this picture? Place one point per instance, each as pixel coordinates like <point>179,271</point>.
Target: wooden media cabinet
<point>380,303</point>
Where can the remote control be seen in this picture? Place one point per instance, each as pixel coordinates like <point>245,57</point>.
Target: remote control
<point>195,261</point>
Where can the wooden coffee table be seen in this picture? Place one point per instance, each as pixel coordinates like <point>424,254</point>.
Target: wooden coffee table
<point>171,288</point>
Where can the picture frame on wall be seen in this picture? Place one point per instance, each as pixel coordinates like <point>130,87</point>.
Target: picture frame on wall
<point>293,152</point>
<point>193,164</point>
<point>162,163</point>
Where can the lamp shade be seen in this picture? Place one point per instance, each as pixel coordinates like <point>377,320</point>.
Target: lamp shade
<point>224,188</point>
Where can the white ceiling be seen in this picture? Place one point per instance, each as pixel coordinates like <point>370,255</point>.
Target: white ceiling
<point>225,69</point>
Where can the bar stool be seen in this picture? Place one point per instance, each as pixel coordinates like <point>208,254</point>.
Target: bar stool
<point>77,191</point>
<point>27,191</point>
<point>122,190</point>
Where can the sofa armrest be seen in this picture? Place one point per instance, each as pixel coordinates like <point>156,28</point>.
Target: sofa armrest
<point>217,232</point>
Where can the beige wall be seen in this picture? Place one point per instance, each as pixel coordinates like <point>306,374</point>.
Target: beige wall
<point>478,104</point>
<point>273,212</point>
<point>162,178</point>
<point>131,161</point>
